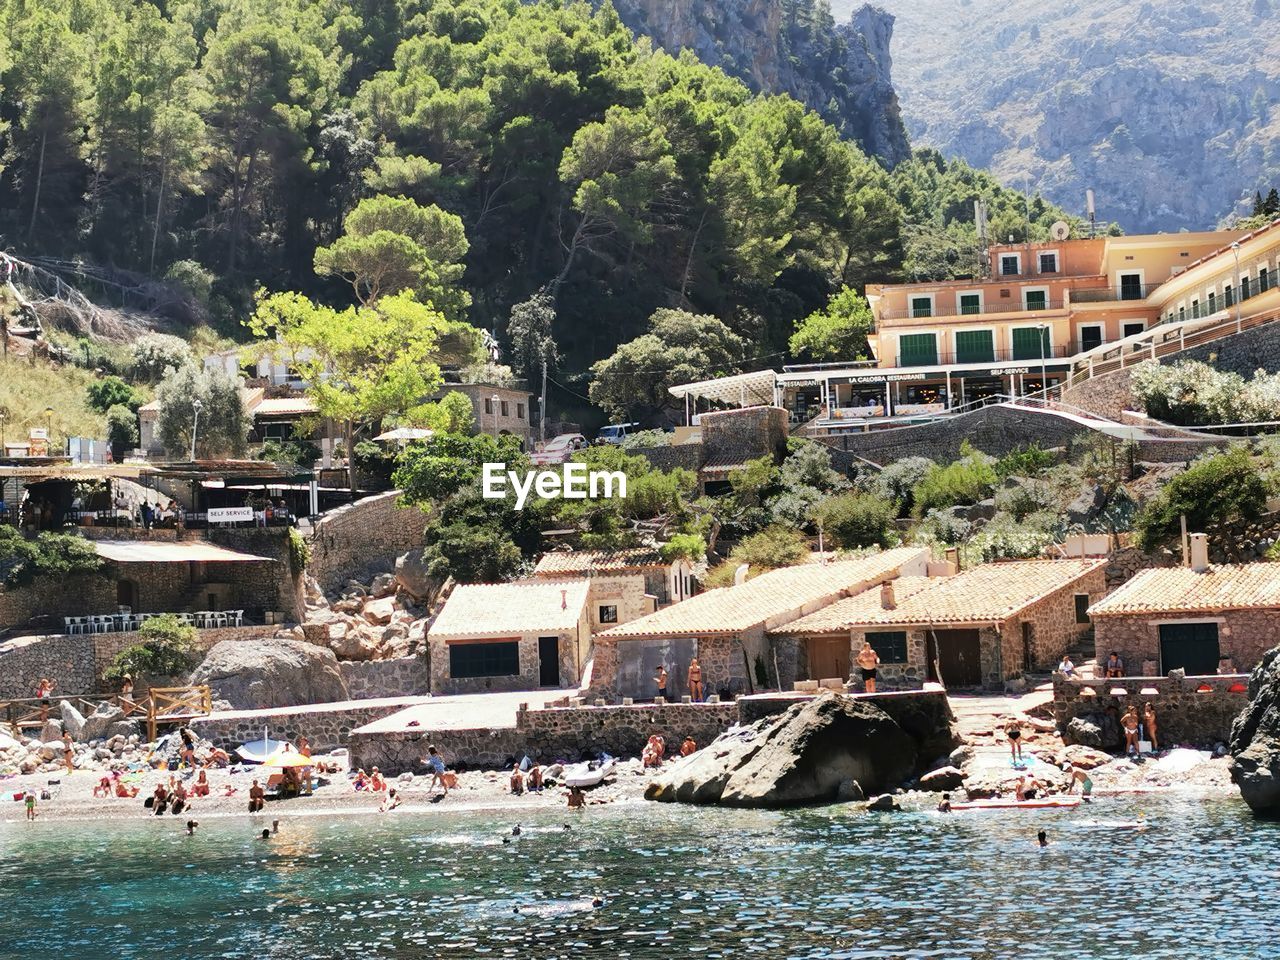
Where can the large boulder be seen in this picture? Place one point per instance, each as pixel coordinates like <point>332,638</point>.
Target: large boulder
<point>800,756</point>
<point>1098,730</point>
<point>72,720</point>
<point>1255,739</point>
<point>271,672</point>
<point>100,721</point>
<point>413,578</point>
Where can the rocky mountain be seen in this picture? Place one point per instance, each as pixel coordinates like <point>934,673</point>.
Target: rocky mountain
<point>841,70</point>
<point>1167,108</point>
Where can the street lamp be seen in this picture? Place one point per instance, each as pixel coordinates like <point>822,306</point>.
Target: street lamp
<point>1235,248</point>
<point>48,428</point>
<point>494,401</point>
<point>1043,330</point>
<point>195,426</point>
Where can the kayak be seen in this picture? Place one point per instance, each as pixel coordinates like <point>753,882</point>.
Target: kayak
<point>1008,803</point>
<point>587,774</point>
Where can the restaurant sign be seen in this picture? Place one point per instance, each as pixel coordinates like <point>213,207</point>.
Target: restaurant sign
<point>230,514</point>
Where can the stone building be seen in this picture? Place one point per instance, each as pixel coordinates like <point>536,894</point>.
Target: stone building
<point>726,628</point>
<point>511,636</point>
<point>978,628</point>
<point>665,582</point>
<point>498,410</point>
<point>1202,619</point>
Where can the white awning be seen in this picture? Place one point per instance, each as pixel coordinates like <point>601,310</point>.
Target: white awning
<point>743,389</point>
<point>140,551</point>
<point>405,433</point>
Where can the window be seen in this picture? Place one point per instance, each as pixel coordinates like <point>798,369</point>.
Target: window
<point>1028,346</point>
<point>1182,313</point>
<point>506,409</point>
<point>496,659</point>
<point>519,411</point>
<point>970,303</point>
<point>1048,263</point>
<point>917,349</point>
<point>609,614</point>
<point>1132,327</point>
<point>1090,336</point>
<point>488,405</point>
<point>1245,293</point>
<point>1195,309</point>
<point>1264,280</point>
<point>1131,286</point>
<point>974,346</point>
<point>1035,299</point>
<point>1228,295</point>
<point>1082,608</point>
<point>922,306</point>
<point>890,646</point>
<point>1213,301</point>
<point>1010,265</point>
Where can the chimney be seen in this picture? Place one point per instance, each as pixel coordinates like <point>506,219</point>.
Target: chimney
<point>564,599</point>
<point>740,575</point>
<point>1199,552</point>
<point>887,599</point>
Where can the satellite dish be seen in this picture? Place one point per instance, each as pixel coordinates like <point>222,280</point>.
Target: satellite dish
<point>1060,230</point>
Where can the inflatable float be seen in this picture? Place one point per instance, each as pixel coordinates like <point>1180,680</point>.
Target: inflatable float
<point>1009,803</point>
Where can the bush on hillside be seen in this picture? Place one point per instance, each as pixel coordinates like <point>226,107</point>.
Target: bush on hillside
<point>122,431</point>
<point>1192,393</point>
<point>156,353</point>
<point>165,648</point>
<point>773,547</point>
<point>1229,486</point>
<point>941,527</point>
<point>896,481</point>
<point>48,555</point>
<point>1024,462</point>
<point>965,481</point>
<point>1006,537</point>
<point>110,392</point>
<point>856,520</point>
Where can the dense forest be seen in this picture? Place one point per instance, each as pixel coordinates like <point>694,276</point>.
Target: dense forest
<point>226,144</point>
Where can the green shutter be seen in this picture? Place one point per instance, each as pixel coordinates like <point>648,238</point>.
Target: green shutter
<point>974,346</point>
<point>921,307</point>
<point>917,350</point>
<point>970,303</point>
<point>1027,346</point>
<point>1036,300</point>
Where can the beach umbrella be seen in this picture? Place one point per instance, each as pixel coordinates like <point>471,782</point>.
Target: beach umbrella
<point>290,759</point>
<point>404,434</point>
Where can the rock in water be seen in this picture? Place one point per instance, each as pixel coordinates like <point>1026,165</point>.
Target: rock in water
<point>942,780</point>
<point>1255,739</point>
<point>801,756</point>
<point>271,672</point>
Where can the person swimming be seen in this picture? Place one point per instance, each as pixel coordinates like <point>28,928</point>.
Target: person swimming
<point>1042,838</point>
<point>944,805</point>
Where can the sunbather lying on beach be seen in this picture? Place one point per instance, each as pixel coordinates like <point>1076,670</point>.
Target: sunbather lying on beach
<point>391,801</point>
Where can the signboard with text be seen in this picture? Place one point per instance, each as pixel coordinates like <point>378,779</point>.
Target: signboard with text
<point>230,514</point>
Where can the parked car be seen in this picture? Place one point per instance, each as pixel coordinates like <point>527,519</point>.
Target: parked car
<point>614,433</point>
<point>558,449</point>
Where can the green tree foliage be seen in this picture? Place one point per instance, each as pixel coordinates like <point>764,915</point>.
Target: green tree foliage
<point>1024,462</point>
<point>1229,486</point>
<point>679,347</point>
<point>431,471</point>
<point>112,391</point>
<point>856,520</point>
<point>222,429</point>
<point>122,430</point>
<point>1192,393</point>
<point>837,332</point>
<point>155,354</point>
<point>166,647</point>
<point>964,481</point>
<point>54,555</point>
<point>773,547</point>
<point>897,481</point>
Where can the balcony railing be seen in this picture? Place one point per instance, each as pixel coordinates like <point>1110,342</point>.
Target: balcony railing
<point>945,357</point>
<point>948,311</point>
<point>1139,291</point>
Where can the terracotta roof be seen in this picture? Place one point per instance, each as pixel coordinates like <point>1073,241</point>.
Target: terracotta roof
<point>842,615</point>
<point>284,407</point>
<point>510,609</point>
<point>559,562</point>
<point>1183,590</point>
<point>770,598</point>
<point>991,593</point>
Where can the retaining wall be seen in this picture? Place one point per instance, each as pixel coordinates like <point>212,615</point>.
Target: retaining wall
<point>327,725</point>
<point>1184,715</point>
<point>361,539</point>
<point>400,677</point>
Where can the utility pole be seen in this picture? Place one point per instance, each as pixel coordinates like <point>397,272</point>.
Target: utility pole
<point>542,403</point>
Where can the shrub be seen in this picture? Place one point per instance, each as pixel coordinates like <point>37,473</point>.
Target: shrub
<point>856,520</point>
<point>773,547</point>
<point>1192,393</point>
<point>1225,487</point>
<point>193,277</point>
<point>646,438</point>
<point>1024,462</point>
<point>166,648</point>
<point>122,430</point>
<point>1007,538</point>
<point>156,353</point>
<point>896,481</point>
<point>942,526</point>
<point>299,550</point>
<point>48,555</point>
<point>1025,498</point>
<point>110,392</point>
<point>690,546</point>
<point>966,481</point>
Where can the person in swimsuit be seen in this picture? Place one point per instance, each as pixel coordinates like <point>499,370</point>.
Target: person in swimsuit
<point>68,753</point>
<point>1081,777</point>
<point>1130,724</point>
<point>517,780</point>
<point>391,802</point>
<point>257,797</point>
<point>660,681</point>
<point>1149,721</point>
<point>695,681</point>
<point>44,690</point>
<point>1027,788</point>
<point>868,662</point>
<point>689,746</point>
<point>30,799</point>
<point>576,798</point>
<point>944,806</point>
<point>435,764</point>
<point>1013,730</point>
<point>1042,838</point>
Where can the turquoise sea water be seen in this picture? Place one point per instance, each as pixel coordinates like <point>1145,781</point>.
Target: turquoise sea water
<point>1201,881</point>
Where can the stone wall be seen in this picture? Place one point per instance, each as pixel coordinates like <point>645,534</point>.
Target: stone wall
<point>1107,395</point>
<point>687,456</point>
<point>78,661</point>
<point>1184,713</point>
<point>442,681</point>
<point>996,430</point>
<point>46,601</point>
<point>326,727</point>
<point>398,677</point>
<point>732,436</point>
<point>1243,636</point>
<point>624,591</point>
<point>364,538</point>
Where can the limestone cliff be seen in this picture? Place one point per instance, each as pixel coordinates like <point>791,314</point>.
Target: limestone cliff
<point>793,47</point>
<point>1166,108</point>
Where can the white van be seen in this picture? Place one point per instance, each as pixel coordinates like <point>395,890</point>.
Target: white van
<point>614,432</point>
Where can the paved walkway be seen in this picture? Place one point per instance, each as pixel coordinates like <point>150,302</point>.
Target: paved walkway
<point>471,711</point>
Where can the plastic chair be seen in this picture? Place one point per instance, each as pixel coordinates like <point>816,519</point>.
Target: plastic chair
<point>238,616</point>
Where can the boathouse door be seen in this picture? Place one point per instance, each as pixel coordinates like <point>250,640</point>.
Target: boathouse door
<point>1192,647</point>
<point>548,661</point>
<point>828,658</point>
<point>958,655</point>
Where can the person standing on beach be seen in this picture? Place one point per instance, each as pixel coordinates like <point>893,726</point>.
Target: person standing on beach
<point>695,681</point>
<point>1130,724</point>
<point>304,748</point>
<point>1013,730</point>
<point>1149,722</point>
<point>31,804</point>
<point>660,681</point>
<point>68,753</point>
<point>868,663</point>
<point>257,797</point>
<point>435,765</point>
